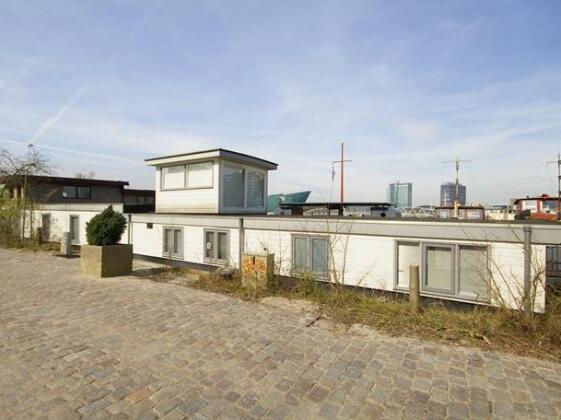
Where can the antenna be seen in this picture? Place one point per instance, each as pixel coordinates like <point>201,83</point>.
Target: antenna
<point>558,161</point>
<point>457,161</point>
<point>342,161</point>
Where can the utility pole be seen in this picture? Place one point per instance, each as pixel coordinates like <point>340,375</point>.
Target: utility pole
<point>558,161</point>
<point>342,161</point>
<point>457,198</point>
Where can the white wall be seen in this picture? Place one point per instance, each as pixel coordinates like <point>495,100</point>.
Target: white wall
<point>370,261</point>
<point>149,242</point>
<point>203,200</point>
<point>60,219</point>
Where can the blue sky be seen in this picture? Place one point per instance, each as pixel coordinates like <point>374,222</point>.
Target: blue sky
<point>99,86</point>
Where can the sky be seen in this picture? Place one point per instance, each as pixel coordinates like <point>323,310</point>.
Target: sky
<point>101,85</point>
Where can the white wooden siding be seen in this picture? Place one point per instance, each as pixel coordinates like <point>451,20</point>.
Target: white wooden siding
<point>201,200</point>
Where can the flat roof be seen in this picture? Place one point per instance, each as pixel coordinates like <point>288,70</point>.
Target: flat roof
<point>211,153</point>
<point>67,180</point>
<point>335,205</point>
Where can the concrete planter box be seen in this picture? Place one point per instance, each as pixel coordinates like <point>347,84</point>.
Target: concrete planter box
<point>106,261</point>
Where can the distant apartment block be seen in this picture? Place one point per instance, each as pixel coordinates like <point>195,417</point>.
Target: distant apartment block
<point>400,194</point>
<point>448,194</point>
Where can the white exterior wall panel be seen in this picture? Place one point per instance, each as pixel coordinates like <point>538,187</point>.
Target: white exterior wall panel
<point>149,242</point>
<point>202,200</point>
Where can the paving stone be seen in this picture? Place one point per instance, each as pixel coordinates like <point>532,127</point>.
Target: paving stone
<point>132,348</point>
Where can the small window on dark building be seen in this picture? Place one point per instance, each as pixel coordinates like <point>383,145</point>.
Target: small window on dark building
<point>149,225</point>
<point>68,192</point>
<point>84,192</point>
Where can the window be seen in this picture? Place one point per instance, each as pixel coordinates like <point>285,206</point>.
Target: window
<point>549,206</point>
<point>310,255</point>
<point>173,242</point>
<point>473,279</point>
<point>75,229</point>
<point>233,187</point>
<point>173,177</point>
<point>149,225</point>
<point>408,253</point>
<point>439,268</point>
<point>449,269</point>
<point>84,192</point>
<point>199,175</point>
<point>69,192</point>
<point>255,190</point>
<point>217,247</point>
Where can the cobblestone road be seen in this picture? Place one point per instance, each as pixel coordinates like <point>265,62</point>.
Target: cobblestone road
<point>130,348</point>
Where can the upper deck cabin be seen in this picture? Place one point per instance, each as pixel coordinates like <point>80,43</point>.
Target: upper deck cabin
<point>216,181</point>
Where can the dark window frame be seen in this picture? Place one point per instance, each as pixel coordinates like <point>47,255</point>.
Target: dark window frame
<point>76,189</point>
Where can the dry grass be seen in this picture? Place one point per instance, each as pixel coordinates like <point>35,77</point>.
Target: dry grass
<point>487,328</point>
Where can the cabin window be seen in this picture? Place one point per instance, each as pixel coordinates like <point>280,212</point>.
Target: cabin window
<point>255,190</point>
<point>310,255</point>
<point>173,177</point>
<point>216,247</point>
<point>233,187</point>
<point>408,253</point>
<point>199,175</point>
<point>173,242</point>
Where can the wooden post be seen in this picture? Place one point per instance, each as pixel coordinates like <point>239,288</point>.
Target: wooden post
<point>414,289</point>
<point>528,287</point>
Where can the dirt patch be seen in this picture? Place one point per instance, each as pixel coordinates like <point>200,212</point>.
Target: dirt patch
<point>294,306</point>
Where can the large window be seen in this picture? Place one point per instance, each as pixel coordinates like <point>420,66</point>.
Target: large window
<point>217,247</point>
<point>233,187</point>
<point>446,269</point>
<point>72,191</point>
<point>439,268</point>
<point>173,242</point>
<point>199,175</point>
<point>173,177</point>
<point>310,255</point>
<point>408,253</point>
<point>191,176</point>
<point>255,190</point>
<point>472,273</point>
<point>242,189</point>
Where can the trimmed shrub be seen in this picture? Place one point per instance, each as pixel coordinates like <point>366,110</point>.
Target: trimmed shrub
<point>106,228</point>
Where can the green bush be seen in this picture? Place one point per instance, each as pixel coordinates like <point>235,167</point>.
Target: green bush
<point>106,228</point>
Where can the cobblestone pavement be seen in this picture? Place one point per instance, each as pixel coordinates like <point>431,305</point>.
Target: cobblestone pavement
<point>130,348</point>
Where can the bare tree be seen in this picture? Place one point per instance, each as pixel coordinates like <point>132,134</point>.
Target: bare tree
<point>15,171</point>
<point>83,175</point>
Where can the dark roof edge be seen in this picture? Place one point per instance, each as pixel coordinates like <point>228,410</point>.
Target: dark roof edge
<point>82,181</point>
<point>208,151</point>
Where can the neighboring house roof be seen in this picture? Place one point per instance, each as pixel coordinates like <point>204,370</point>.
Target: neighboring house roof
<point>541,197</point>
<point>209,154</point>
<point>57,180</point>
<point>139,193</point>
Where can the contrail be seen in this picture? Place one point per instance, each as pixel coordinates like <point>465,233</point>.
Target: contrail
<point>80,152</point>
<point>132,32</point>
<point>49,123</point>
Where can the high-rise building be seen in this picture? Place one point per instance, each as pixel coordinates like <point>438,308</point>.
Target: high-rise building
<point>448,194</point>
<point>400,194</point>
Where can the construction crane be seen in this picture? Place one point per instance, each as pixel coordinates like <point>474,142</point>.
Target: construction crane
<point>457,161</point>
